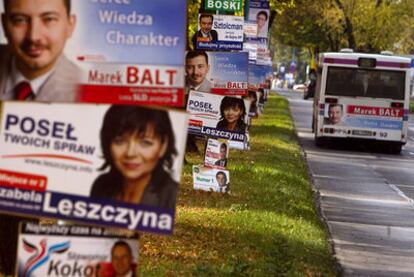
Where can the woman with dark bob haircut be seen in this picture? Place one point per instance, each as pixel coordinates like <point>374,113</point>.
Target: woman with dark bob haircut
<point>138,146</point>
<point>232,112</point>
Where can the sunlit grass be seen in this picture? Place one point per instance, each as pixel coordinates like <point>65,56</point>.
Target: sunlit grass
<point>266,226</point>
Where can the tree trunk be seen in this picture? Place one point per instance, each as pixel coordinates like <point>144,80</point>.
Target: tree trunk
<point>348,26</point>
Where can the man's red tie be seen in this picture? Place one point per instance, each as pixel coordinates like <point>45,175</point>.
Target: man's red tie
<point>23,91</point>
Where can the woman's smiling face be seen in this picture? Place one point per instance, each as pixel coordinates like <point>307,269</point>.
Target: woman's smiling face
<point>136,155</point>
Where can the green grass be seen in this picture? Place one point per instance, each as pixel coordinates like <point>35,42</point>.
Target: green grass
<point>266,226</point>
<point>412,106</point>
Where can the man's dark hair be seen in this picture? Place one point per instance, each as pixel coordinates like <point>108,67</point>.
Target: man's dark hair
<point>123,244</point>
<point>206,15</point>
<point>196,53</point>
<point>263,13</point>
<point>67,4</point>
<point>335,105</point>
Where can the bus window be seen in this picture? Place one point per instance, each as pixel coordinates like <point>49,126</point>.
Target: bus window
<point>344,81</point>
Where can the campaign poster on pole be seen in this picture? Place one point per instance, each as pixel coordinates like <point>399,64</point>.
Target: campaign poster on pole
<point>217,116</point>
<point>219,32</point>
<point>211,179</point>
<point>223,5</point>
<point>258,11</point>
<point>216,154</point>
<point>84,163</point>
<point>224,73</point>
<point>74,250</point>
<point>130,51</point>
<point>257,76</point>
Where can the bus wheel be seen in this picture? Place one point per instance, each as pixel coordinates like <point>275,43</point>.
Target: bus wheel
<point>395,147</point>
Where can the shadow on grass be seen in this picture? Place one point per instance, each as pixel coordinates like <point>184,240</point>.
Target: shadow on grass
<point>242,253</point>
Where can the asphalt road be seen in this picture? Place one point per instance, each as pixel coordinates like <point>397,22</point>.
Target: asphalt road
<point>366,198</point>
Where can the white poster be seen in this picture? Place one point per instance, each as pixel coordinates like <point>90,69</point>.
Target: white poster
<point>114,165</point>
<point>72,250</point>
<point>211,179</point>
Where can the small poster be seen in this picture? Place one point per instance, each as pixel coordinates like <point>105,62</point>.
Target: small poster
<point>219,32</point>
<point>217,116</point>
<point>216,154</point>
<point>258,12</point>
<point>113,165</point>
<point>74,250</point>
<point>250,29</point>
<point>211,179</point>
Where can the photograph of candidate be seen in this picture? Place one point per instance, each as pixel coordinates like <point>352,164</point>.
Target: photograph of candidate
<point>232,111</point>
<point>196,69</point>
<point>32,64</point>
<point>221,179</point>
<point>222,162</point>
<point>335,112</point>
<point>138,146</point>
<point>261,20</point>
<point>206,33</point>
<point>122,259</point>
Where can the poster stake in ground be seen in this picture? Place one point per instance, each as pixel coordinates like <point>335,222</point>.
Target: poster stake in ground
<point>120,167</point>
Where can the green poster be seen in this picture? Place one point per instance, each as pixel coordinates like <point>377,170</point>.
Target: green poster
<point>223,5</point>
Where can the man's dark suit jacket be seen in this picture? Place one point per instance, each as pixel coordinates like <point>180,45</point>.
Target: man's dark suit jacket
<point>198,34</point>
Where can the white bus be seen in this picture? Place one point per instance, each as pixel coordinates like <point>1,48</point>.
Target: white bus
<point>362,96</point>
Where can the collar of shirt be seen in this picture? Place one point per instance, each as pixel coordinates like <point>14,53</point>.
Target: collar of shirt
<point>16,77</point>
<point>206,35</point>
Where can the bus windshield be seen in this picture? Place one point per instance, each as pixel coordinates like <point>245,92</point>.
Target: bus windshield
<point>365,83</point>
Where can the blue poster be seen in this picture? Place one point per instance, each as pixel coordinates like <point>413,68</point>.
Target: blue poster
<point>130,31</point>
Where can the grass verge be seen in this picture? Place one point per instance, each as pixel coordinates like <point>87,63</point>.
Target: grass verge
<point>267,226</point>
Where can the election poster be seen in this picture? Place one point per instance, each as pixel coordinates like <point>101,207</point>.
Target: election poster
<point>363,120</point>
<point>216,154</point>
<point>211,179</point>
<point>224,73</point>
<point>229,73</point>
<point>251,48</point>
<point>250,29</point>
<point>111,165</point>
<point>223,5</point>
<point>129,52</point>
<point>219,32</point>
<point>217,116</point>
<point>257,76</point>
<point>75,250</point>
<point>258,11</point>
